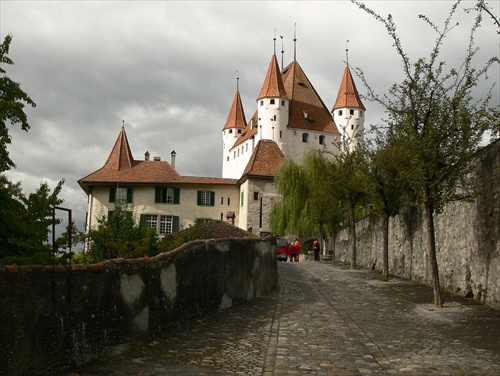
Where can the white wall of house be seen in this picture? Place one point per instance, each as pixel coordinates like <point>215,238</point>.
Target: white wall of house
<point>188,210</point>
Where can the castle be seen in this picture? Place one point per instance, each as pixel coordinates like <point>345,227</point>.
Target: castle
<point>290,119</point>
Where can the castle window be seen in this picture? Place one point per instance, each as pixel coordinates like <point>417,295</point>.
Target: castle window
<point>283,103</point>
<point>305,137</point>
<point>228,158</point>
<point>239,131</point>
<point>281,134</point>
<point>351,112</point>
<point>228,201</point>
<point>230,131</point>
<point>360,113</point>
<point>352,127</point>
<point>271,101</point>
<point>247,146</point>
<point>256,196</point>
<point>152,221</point>
<point>340,112</point>
<point>167,195</point>
<point>234,155</point>
<point>206,198</point>
<point>321,140</point>
<point>117,194</point>
<point>262,103</point>
<point>222,200</point>
<point>167,224</point>
<point>274,118</point>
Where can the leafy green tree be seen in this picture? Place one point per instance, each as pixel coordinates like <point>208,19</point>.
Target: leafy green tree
<point>352,185</point>
<point>119,236</point>
<point>433,111</point>
<point>390,189</point>
<point>12,102</point>
<point>25,222</point>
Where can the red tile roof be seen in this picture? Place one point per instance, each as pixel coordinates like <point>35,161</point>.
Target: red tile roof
<point>265,159</point>
<point>273,84</point>
<point>120,156</point>
<point>236,117</point>
<point>307,110</point>
<point>120,167</point>
<point>348,95</point>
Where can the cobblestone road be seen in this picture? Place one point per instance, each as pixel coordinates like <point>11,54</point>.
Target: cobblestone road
<point>326,320</point>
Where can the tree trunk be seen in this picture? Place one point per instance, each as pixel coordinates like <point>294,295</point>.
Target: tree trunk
<point>353,236</point>
<point>429,213</point>
<point>385,251</point>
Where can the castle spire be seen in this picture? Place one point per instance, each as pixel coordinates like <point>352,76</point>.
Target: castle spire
<point>348,95</point>
<point>236,116</point>
<point>273,84</point>
<point>120,156</point>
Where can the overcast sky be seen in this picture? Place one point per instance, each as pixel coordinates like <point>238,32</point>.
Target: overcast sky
<point>168,70</point>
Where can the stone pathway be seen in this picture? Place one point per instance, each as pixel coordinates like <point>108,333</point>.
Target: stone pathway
<point>325,320</point>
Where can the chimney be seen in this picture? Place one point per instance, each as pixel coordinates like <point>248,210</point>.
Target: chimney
<point>146,156</point>
<point>172,158</point>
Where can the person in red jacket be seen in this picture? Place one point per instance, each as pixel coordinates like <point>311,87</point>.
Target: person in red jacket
<point>295,250</point>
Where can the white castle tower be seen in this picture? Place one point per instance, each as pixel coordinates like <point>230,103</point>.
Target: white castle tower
<point>349,112</point>
<point>272,106</point>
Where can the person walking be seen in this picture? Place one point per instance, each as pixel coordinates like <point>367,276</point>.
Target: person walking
<point>316,249</point>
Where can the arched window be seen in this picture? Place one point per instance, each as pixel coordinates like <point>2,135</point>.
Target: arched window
<point>271,101</point>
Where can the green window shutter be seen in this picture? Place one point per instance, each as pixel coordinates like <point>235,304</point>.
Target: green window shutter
<point>175,223</point>
<point>112,194</point>
<point>212,198</point>
<point>199,198</point>
<point>157,194</point>
<point>129,195</point>
<point>142,219</point>
<point>177,195</point>
<point>110,214</point>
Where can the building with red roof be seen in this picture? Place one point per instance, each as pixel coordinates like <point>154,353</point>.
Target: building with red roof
<point>290,119</point>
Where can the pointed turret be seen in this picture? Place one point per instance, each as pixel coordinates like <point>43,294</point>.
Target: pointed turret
<point>348,94</point>
<point>236,117</point>
<point>121,156</point>
<point>273,104</point>
<point>273,84</point>
<point>348,112</point>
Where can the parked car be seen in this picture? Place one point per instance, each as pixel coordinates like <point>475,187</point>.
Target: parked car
<point>282,249</point>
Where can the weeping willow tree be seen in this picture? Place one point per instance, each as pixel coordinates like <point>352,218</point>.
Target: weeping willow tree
<point>308,202</point>
<point>318,194</point>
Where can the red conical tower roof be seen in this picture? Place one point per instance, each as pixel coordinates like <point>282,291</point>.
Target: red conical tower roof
<point>348,94</point>
<point>121,156</point>
<point>236,117</point>
<point>273,84</point>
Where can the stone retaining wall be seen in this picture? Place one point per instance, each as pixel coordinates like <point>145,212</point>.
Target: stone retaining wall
<point>51,319</point>
<point>467,240</point>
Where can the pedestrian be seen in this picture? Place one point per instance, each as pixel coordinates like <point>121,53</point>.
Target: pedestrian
<point>296,250</point>
<point>316,249</point>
